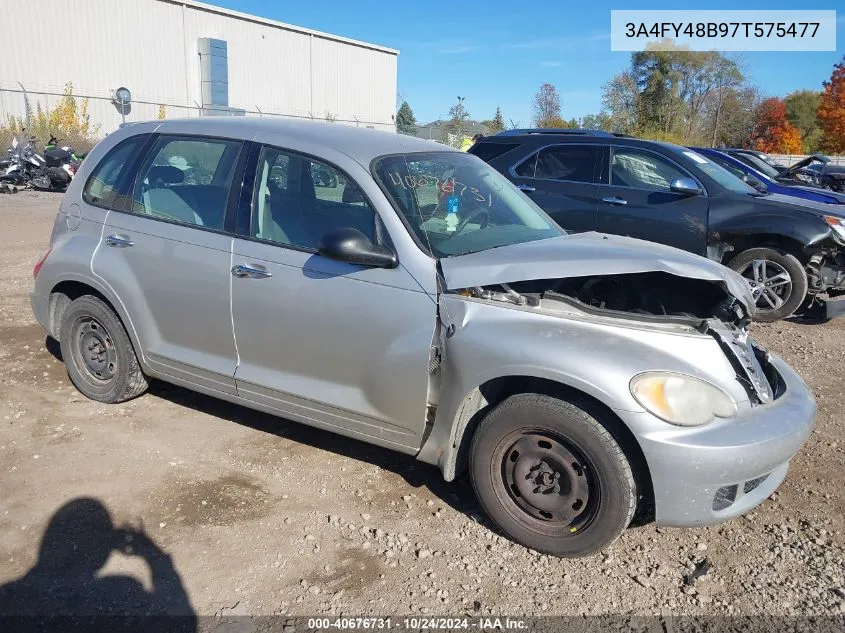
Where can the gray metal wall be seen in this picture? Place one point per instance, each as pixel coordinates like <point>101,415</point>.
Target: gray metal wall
<point>152,48</point>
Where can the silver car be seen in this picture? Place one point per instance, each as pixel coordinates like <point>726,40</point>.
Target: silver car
<point>399,292</point>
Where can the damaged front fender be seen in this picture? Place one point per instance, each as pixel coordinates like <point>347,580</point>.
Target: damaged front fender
<point>490,342</point>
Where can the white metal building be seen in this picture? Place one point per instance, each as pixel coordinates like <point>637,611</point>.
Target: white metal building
<point>188,58</point>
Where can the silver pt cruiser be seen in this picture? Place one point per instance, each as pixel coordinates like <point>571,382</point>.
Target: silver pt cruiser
<point>399,292</point>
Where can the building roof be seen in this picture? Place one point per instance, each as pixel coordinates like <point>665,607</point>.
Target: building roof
<point>201,6</point>
<point>360,144</point>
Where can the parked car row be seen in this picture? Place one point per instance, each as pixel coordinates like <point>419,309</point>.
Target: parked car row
<point>790,250</point>
<point>416,299</point>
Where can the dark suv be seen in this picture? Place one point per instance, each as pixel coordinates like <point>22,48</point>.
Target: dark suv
<point>589,180</point>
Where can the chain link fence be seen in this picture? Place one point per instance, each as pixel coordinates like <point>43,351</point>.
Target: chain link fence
<point>790,159</point>
<point>105,115</point>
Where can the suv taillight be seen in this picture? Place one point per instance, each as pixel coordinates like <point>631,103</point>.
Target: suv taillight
<point>37,268</point>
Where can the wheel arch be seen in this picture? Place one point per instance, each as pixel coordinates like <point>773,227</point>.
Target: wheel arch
<point>777,241</point>
<point>66,290</point>
<point>453,458</point>
<point>795,235</point>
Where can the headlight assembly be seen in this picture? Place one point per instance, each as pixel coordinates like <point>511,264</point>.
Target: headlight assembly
<point>680,399</point>
<point>838,226</point>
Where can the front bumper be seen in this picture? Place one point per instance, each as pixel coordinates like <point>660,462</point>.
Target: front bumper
<point>709,474</point>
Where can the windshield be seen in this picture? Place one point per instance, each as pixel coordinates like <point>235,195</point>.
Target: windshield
<point>718,173</point>
<point>761,165</point>
<point>456,203</point>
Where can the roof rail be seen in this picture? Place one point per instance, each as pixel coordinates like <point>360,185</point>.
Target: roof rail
<point>554,130</point>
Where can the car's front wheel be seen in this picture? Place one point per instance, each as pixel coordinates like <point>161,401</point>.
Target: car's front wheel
<point>778,281</point>
<point>551,475</point>
<point>98,354</point>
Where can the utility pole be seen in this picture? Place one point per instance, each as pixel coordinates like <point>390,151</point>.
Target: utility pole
<point>460,117</point>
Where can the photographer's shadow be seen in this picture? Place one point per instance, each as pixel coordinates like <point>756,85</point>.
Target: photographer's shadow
<point>64,581</point>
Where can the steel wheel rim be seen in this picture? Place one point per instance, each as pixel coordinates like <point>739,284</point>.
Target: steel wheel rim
<point>95,349</point>
<point>771,284</point>
<point>548,481</point>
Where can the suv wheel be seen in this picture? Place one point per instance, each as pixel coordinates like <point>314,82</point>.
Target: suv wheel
<point>551,476</point>
<point>778,281</point>
<point>98,354</point>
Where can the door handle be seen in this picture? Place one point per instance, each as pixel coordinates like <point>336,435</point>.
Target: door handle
<point>253,272</point>
<point>119,240</point>
<point>614,200</point>
<point>526,188</point>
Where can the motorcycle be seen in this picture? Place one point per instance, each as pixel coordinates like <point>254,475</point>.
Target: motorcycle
<point>24,163</point>
<point>61,165</point>
<point>51,173</point>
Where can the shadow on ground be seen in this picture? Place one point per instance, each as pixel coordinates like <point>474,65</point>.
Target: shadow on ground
<point>65,591</point>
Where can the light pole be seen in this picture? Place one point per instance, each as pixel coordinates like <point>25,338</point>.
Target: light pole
<point>460,112</point>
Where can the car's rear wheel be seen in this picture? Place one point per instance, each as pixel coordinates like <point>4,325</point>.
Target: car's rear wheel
<point>551,475</point>
<point>778,281</point>
<point>98,354</point>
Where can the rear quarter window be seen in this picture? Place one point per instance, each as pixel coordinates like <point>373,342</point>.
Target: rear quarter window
<point>489,151</point>
<point>103,186</point>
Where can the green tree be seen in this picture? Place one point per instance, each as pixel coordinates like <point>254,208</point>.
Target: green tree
<point>458,116</point>
<point>621,103</point>
<point>600,121</point>
<point>678,88</point>
<point>496,124</point>
<point>739,117</point>
<point>498,120</point>
<point>728,78</point>
<point>802,111</point>
<point>406,122</point>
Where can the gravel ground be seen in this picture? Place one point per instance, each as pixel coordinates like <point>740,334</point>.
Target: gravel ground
<point>263,516</point>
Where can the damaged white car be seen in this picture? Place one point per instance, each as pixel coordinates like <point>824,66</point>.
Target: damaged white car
<point>397,292</point>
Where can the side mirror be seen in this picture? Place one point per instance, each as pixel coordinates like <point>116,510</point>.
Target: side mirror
<point>353,247</point>
<point>685,186</point>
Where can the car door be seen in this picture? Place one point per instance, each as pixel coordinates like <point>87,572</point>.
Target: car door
<point>561,180</point>
<point>637,200</point>
<point>335,345</point>
<point>166,254</point>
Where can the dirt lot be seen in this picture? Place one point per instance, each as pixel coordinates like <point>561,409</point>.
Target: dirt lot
<point>264,516</point>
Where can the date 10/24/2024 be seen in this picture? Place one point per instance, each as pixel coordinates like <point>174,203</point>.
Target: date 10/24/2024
<point>417,623</point>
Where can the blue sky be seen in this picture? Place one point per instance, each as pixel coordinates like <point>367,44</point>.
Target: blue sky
<point>498,52</point>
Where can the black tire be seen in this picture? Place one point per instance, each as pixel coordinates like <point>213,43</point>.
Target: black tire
<point>510,468</point>
<point>98,354</point>
<point>793,296</point>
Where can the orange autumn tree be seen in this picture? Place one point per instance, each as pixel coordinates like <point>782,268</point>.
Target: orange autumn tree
<point>832,111</point>
<point>773,132</point>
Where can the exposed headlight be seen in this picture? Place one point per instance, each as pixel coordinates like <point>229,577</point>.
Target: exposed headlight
<point>680,399</point>
<point>837,224</point>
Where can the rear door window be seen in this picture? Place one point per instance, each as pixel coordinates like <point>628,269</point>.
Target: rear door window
<point>574,163</point>
<point>102,188</point>
<point>527,167</point>
<point>187,180</point>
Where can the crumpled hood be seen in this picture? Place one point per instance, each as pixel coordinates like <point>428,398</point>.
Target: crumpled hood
<point>582,255</point>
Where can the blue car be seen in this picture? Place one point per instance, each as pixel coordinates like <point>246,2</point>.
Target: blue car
<point>766,178</point>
